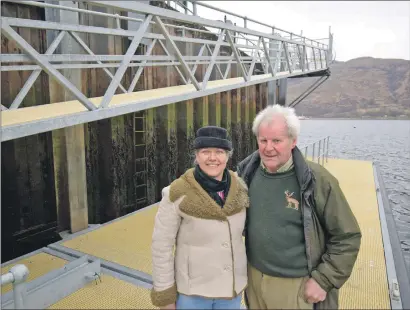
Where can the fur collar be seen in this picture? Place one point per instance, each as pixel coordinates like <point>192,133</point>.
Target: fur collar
<point>199,204</point>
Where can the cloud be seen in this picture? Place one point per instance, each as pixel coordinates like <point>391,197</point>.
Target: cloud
<point>360,28</point>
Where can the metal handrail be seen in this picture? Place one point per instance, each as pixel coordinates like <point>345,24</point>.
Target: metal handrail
<point>246,19</point>
<point>322,151</point>
<point>17,276</point>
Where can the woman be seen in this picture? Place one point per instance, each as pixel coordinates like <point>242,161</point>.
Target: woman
<point>202,214</point>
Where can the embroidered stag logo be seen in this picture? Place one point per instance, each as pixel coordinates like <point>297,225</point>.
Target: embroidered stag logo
<point>292,202</point>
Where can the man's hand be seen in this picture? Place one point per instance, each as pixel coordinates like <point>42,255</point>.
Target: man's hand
<point>169,307</point>
<point>313,292</point>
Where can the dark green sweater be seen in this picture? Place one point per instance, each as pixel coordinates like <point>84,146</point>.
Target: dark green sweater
<point>275,238</point>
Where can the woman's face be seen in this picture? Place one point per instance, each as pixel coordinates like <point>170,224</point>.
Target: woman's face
<point>212,161</point>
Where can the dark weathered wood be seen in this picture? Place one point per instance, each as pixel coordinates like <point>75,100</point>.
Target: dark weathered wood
<point>29,217</point>
<point>237,134</point>
<point>252,114</point>
<point>185,122</point>
<point>245,107</point>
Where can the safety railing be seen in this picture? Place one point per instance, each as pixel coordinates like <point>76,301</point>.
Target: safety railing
<point>191,7</point>
<point>317,151</point>
<point>16,276</point>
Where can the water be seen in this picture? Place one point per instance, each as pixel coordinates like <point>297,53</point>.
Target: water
<point>385,142</point>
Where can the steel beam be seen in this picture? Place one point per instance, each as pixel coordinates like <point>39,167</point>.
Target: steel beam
<point>125,62</point>
<point>201,51</point>
<point>10,58</point>
<point>175,66</point>
<point>45,65</point>
<point>89,51</point>
<point>177,52</point>
<point>160,12</point>
<point>213,59</point>
<point>265,49</point>
<point>254,59</point>
<point>237,56</point>
<point>285,49</point>
<point>228,67</point>
<point>217,65</point>
<point>35,74</point>
<point>44,125</point>
<point>17,22</point>
<point>141,68</point>
<point>109,65</point>
<point>314,57</point>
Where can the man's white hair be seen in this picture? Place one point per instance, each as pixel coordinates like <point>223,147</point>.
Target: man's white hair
<point>267,115</point>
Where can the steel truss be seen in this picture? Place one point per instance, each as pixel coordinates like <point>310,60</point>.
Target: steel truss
<point>279,57</point>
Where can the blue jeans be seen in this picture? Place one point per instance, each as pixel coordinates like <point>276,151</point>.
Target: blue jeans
<point>197,302</point>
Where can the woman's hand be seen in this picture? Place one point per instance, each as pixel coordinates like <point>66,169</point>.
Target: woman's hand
<point>169,307</point>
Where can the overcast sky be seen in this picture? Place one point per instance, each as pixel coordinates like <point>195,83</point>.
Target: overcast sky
<point>360,28</point>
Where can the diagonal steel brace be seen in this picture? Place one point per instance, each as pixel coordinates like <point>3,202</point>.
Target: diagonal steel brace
<point>237,56</point>
<point>217,65</point>
<point>228,66</point>
<point>175,66</point>
<point>47,67</point>
<point>201,51</point>
<point>177,53</point>
<point>285,48</point>
<point>89,51</point>
<point>265,49</point>
<point>213,59</point>
<point>125,62</point>
<point>254,58</point>
<point>141,68</point>
<point>34,75</point>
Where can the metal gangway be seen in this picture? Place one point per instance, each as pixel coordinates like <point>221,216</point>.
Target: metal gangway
<point>258,57</point>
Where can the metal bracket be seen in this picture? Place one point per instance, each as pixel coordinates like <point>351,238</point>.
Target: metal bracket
<point>45,291</point>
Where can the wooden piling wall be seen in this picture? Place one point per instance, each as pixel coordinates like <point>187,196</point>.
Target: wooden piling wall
<point>129,159</point>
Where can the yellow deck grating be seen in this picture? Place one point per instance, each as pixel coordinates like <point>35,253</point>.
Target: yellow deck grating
<point>111,293</point>
<point>367,287</point>
<point>38,265</point>
<point>126,242</point>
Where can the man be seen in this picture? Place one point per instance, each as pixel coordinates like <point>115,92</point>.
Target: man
<point>301,236</point>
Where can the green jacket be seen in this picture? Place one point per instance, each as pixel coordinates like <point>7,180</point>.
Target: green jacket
<point>332,234</point>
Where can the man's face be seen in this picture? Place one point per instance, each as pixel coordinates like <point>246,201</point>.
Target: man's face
<point>275,146</point>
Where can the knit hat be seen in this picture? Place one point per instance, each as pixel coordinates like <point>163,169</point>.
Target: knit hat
<point>212,136</point>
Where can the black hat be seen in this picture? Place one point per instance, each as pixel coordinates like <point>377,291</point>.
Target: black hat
<point>212,136</point>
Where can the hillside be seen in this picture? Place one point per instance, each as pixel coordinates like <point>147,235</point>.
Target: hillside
<point>363,87</point>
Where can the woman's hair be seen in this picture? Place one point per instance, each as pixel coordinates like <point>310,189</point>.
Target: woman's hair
<point>267,115</point>
<point>229,153</point>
